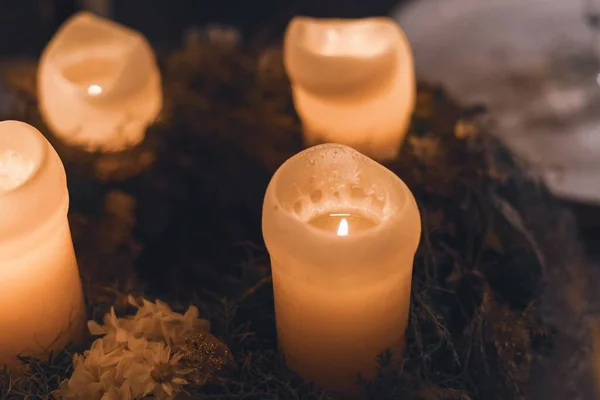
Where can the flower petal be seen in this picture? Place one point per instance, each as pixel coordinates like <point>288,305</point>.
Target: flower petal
<point>149,388</point>
<point>125,391</point>
<point>192,313</point>
<point>108,378</point>
<point>95,328</point>
<point>179,381</point>
<point>122,335</point>
<point>131,300</point>
<point>167,388</point>
<point>137,345</point>
<point>111,394</point>
<point>176,358</point>
<point>113,318</point>
<point>163,307</point>
<point>81,377</point>
<point>139,378</point>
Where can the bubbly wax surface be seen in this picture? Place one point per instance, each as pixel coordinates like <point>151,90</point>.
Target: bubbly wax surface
<point>14,170</point>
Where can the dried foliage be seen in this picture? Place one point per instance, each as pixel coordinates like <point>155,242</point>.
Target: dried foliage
<point>180,219</point>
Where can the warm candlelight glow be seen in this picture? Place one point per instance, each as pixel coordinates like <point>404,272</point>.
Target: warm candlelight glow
<point>94,90</point>
<point>99,85</point>
<point>343,228</point>
<point>342,222</point>
<point>41,297</point>
<point>352,81</point>
<point>342,232</point>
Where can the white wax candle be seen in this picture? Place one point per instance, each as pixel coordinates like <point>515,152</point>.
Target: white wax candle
<point>352,81</point>
<point>41,296</point>
<point>99,85</point>
<point>342,232</point>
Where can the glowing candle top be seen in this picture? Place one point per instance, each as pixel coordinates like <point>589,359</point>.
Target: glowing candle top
<point>341,58</point>
<point>98,83</point>
<point>352,81</point>
<point>332,208</point>
<point>33,185</point>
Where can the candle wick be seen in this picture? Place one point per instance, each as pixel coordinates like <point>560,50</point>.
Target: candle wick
<point>343,228</point>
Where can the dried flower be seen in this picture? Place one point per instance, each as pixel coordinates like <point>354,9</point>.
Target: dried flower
<point>134,359</point>
<point>157,321</point>
<point>159,374</point>
<point>153,321</point>
<point>122,392</point>
<point>115,330</point>
<point>94,374</point>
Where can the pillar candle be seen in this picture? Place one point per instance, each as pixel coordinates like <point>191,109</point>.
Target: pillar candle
<point>352,82</point>
<point>341,231</point>
<point>99,85</point>
<point>41,296</point>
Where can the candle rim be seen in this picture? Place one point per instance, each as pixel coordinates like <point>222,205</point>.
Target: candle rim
<point>28,208</point>
<point>130,43</point>
<point>385,223</point>
<point>39,158</point>
<point>364,75</point>
<point>298,26</point>
<point>323,252</point>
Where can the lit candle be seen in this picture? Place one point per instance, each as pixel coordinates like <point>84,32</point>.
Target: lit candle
<point>342,232</point>
<point>352,81</point>
<point>41,296</point>
<point>99,85</point>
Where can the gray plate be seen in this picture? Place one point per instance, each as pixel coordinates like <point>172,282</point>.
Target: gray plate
<point>534,63</point>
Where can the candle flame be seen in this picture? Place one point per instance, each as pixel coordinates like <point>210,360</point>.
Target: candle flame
<point>343,228</point>
<point>94,90</point>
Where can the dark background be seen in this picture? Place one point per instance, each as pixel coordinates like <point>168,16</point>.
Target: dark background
<point>26,25</point>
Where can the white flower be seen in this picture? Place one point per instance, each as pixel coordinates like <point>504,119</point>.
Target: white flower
<point>122,392</point>
<point>157,321</point>
<point>94,373</point>
<point>158,374</point>
<point>133,359</point>
<point>136,348</point>
<point>114,329</point>
<point>153,321</point>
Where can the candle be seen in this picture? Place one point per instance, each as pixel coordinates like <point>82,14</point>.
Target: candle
<point>352,82</point>
<point>41,296</point>
<point>341,231</point>
<point>99,85</point>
